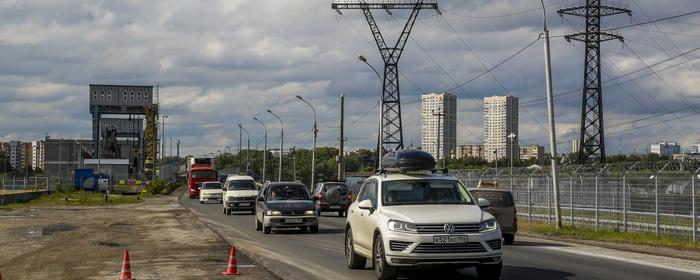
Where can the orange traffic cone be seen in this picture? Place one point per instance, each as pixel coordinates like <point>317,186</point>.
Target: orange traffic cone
<point>126,267</point>
<point>232,268</point>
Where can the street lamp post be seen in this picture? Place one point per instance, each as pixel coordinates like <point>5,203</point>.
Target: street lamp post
<point>313,151</point>
<point>279,176</point>
<point>247,152</point>
<point>550,114</point>
<point>511,136</point>
<point>264,149</point>
<point>380,148</point>
<point>495,159</point>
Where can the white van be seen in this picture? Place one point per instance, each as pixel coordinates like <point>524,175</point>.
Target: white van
<point>239,194</point>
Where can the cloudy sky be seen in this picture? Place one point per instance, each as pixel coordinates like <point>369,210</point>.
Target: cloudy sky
<point>222,62</point>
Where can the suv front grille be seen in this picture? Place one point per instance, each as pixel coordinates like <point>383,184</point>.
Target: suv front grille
<point>399,245</point>
<point>494,244</point>
<point>246,198</point>
<point>293,213</point>
<point>431,248</point>
<point>440,228</point>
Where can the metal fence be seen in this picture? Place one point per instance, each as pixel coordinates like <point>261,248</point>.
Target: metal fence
<point>658,198</point>
<point>26,184</point>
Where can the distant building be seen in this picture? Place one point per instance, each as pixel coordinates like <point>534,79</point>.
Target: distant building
<point>4,146</point>
<point>574,146</point>
<point>37,155</point>
<point>665,148</point>
<point>500,120</point>
<point>469,151</point>
<point>694,149</point>
<point>62,156</point>
<point>444,126</point>
<point>532,151</point>
<point>19,154</point>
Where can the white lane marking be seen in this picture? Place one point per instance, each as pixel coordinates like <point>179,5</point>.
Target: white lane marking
<point>630,257</point>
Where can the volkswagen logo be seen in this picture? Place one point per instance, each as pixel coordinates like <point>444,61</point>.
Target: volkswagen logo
<point>449,228</point>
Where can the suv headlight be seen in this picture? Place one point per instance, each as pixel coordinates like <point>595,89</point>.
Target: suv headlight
<point>488,225</point>
<point>402,226</point>
<point>273,213</point>
<point>310,213</point>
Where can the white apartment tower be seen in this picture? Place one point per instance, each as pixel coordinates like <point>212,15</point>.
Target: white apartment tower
<point>500,120</point>
<point>439,117</point>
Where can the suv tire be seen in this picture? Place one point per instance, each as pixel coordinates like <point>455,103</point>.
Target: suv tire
<point>266,229</point>
<point>489,271</point>
<point>341,213</point>
<point>508,239</point>
<point>258,224</point>
<point>353,260</point>
<point>382,269</point>
<point>313,229</point>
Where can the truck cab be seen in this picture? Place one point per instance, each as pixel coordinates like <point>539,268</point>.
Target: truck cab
<point>197,176</point>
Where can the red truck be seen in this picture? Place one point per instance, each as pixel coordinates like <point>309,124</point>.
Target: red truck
<point>199,170</point>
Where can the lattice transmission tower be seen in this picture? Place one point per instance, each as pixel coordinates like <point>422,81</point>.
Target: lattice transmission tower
<point>592,137</point>
<point>390,125</point>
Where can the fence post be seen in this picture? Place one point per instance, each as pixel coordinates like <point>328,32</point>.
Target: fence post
<point>624,202</point>
<point>571,199</point>
<point>596,202</point>
<point>656,202</point>
<point>549,203</point>
<point>695,222</point>
<point>529,200</point>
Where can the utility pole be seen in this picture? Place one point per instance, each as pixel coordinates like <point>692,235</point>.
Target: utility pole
<point>264,149</point>
<point>438,149</point>
<point>240,142</point>
<point>390,121</point>
<point>341,141</point>
<point>511,136</point>
<point>178,148</point>
<point>592,135</point>
<point>279,177</point>
<point>552,129</point>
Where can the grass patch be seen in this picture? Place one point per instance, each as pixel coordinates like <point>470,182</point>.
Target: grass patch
<point>608,235</point>
<point>75,199</point>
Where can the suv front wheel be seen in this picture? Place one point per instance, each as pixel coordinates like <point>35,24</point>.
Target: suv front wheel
<point>354,261</point>
<point>382,269</point>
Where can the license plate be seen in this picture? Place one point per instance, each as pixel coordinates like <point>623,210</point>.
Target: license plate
<point>334,207</point>
<point>244,204</point>
<point>293,221</point>
<point>450,239</point>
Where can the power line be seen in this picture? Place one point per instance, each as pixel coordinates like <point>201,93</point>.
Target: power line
<point>503,15</point>
<point>652,21</point>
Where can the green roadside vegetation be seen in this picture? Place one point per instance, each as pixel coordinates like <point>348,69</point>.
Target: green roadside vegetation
<point>608,235</point>
<point>83,198</point>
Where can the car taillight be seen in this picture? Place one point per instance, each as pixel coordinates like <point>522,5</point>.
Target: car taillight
<point>320,196</point>
<point>349,196</point>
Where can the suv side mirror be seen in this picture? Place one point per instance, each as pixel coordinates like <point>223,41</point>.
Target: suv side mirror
<point>483,203</point>
<point>365,205</point>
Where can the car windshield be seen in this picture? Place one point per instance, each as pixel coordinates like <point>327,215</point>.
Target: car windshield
<point>412,192</point>
<point>495,198</point>
<point>200,174</point>
<point>241,185</point>
<point>288,192</point>
<point>211,186</point>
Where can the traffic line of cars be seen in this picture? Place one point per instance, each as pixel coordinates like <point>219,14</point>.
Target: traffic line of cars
<point>406,215</point>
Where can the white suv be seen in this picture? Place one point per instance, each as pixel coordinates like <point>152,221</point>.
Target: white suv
<point>420,219</point>
<point>239,194</point>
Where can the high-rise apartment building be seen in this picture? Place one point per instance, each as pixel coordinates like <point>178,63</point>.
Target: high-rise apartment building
<point>470,151</point>
<point>665,148</point>
<point>500,120</point>
<point>38,155</point>
<point>439,119</point>
<point>532,151</point>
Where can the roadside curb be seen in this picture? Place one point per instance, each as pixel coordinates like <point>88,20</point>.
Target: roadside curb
<point>641,249</point>
<point>259,259</point>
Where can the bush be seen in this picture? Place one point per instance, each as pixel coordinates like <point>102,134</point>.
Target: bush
<point>156,186</point>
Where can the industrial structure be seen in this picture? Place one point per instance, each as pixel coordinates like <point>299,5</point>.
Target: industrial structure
<point>118,116</point>
<point>592,137</point>
<point>390,126</point>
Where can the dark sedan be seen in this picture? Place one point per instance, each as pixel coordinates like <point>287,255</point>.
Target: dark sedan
<point>285,205</point>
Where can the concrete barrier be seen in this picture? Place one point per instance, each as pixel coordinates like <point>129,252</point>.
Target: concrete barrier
<point>24,196</point>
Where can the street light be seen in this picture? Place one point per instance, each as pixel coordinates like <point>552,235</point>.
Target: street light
<point>550,114</point>
<point>511,136</point>
<point>495,159</point>
<point>313,151</point>
<point>279,176</point>
<point>247,152</point>
<point>264,149</point>
<point>380,147</point>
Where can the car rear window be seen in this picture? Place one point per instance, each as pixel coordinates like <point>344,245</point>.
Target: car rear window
<point>288,192</point>
<point>200,174</point>
<point>340,189</point>
<point>241,185</point>
<point>211,185</point>
<point>495,198</point>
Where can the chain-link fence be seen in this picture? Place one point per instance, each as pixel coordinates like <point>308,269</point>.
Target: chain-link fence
<point>658,198</point>
<point>25,184</point>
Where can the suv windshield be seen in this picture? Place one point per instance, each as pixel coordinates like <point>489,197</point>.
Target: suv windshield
<point>288,192</point>
<point>199,174</point>
<point>211,185</point>
<point>424,192</point>
<point>495,198</point>
<point>241,185</point>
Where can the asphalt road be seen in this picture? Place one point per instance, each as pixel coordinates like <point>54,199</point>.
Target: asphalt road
<point>295,255</point>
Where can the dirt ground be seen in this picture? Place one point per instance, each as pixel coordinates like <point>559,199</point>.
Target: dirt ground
<point>165,241</point>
